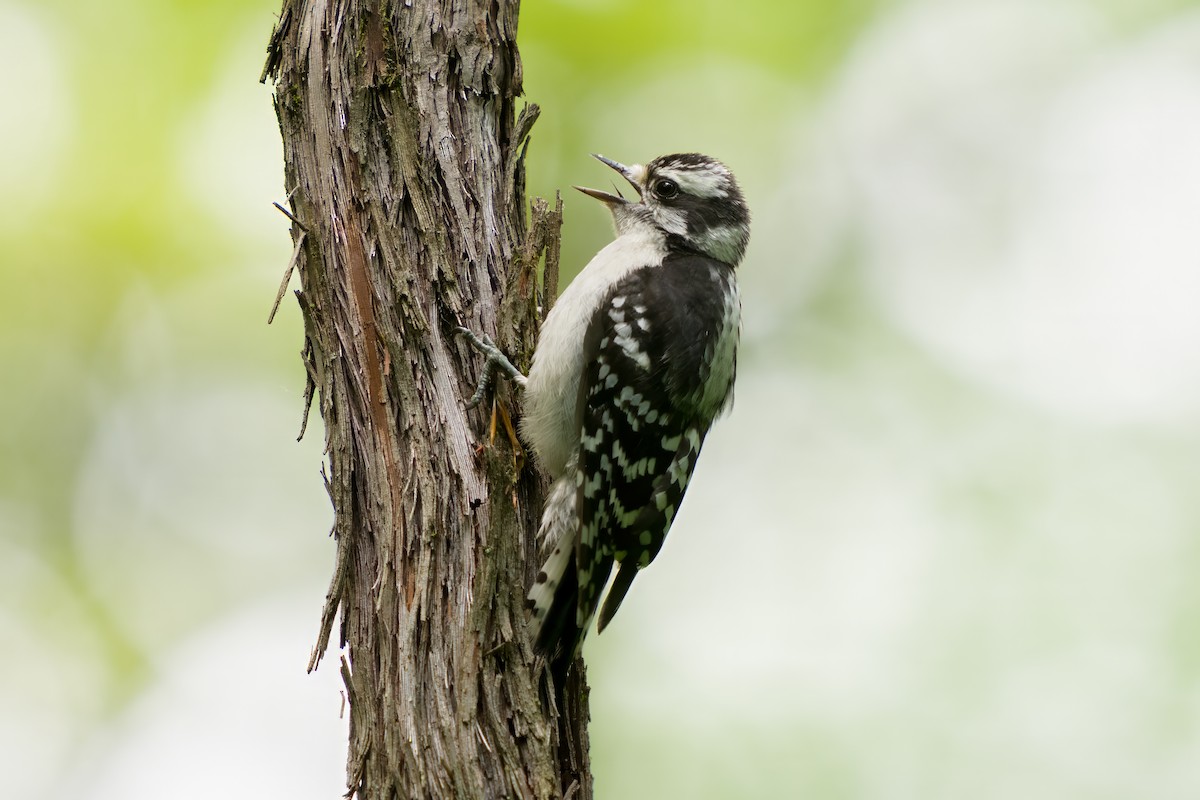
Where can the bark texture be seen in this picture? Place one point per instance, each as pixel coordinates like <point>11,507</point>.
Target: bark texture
<point>404,158</point>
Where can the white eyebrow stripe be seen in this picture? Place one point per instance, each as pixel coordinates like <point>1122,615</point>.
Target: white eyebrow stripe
<point>700,182</point>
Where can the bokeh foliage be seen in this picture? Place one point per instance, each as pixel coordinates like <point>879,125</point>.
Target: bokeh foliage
<point>924,556</point>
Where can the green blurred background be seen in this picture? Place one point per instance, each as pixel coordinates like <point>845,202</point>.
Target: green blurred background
<point>945,546</point>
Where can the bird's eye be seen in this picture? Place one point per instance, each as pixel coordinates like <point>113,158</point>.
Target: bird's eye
<point>666,188</point>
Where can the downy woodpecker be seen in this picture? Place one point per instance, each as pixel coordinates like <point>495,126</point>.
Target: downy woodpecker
<point>633,364</point>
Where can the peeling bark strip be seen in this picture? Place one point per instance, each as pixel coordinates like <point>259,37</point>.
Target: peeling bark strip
<point>405,162</point>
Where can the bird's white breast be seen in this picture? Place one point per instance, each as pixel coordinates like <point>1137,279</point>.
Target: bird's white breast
<point>552,389</point>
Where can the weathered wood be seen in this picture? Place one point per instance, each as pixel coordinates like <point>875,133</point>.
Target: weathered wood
<point>405,162</point>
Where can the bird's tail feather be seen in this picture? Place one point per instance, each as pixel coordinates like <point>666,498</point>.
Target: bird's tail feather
<point>554,602</point>
<point>616,593</point>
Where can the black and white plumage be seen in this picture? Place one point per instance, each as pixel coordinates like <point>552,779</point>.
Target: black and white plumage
<point>634,363</point>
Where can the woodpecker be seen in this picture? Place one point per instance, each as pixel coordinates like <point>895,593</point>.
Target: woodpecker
<point>633,364</point>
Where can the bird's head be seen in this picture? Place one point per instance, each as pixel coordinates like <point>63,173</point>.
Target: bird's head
<point>693,199</point>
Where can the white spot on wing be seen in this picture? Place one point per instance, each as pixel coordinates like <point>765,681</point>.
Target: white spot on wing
<point>627,339</point>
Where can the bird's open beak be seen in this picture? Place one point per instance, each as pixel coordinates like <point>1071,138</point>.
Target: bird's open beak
<point>632,174</point>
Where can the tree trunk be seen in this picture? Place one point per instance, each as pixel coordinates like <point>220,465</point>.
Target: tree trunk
<point>405,164</point>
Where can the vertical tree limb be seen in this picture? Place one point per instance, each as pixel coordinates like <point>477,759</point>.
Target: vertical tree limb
<point>402,142</point>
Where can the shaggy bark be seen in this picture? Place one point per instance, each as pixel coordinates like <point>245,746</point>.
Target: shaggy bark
<point>404,157</point>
